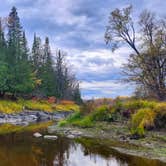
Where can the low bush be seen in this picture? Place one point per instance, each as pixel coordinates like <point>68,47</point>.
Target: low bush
<point>85,122</point>
<point>143,119</point>
<point>88,107</point>
<point>102,113</point>
<point>74,117</point>
<point>67,102</point>
<point>160,118</point>
<point>37,105</point>
<point>62,123</point>
<point>9,107</point>
<point>138,104</point>
<point>66,107</point>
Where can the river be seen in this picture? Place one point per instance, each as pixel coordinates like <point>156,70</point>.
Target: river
<point>21,148</point>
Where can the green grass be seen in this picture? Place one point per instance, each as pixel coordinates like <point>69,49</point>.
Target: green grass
<point>77,119</point>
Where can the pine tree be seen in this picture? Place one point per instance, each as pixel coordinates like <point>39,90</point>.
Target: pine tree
<point>47,71</point>
<point>37,54</point>
<point>25,78</point>
<point>59,72</point>
<point>77,94</point>
<point>3,65</point>
<point>20,77</point>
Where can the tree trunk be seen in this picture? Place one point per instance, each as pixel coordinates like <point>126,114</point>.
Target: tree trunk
<point>2,94</point>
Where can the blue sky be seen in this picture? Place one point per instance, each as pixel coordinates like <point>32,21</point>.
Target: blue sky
<point>77,27</point>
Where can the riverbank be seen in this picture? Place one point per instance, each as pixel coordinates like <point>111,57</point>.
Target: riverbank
<point>24,112</point>
<point>116,136</point>
<point>27,117</point>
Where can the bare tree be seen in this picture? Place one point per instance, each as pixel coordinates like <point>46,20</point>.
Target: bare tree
<point>147,65</point>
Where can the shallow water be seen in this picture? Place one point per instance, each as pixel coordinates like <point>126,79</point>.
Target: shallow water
<point>22,149</point>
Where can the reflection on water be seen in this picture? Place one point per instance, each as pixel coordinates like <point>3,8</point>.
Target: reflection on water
<point>22,149</point>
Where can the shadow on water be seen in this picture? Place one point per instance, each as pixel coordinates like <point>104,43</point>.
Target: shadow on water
<point>22,149</point>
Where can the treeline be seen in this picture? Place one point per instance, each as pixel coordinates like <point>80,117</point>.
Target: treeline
<point>35,72</point>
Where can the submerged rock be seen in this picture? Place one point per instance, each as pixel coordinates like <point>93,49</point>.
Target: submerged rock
<point>53,137</point>
<point>37,135</point>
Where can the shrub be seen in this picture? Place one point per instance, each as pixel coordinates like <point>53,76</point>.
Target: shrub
<point>138,104</point>
<point>117,106</point>
<point>67,102</point>
<point>160,118</point>
<point>66,107</point>
<point>37,105</point>
<point>144,118</point>
<point>74,117</point>
<point>101,114</point>
<point>88,107</point>
<point>52,99</point>
<point>85,122</point>
<point>9,107</point>
<point>62,123</point>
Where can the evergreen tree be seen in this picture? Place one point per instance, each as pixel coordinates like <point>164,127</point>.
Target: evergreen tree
<point>77,94</point>
<point>47,71</point>
<point>26,78</point>
<point>20,76</point>
<point>3,65</point>
<point>37,54</point>
<point>59,72</point>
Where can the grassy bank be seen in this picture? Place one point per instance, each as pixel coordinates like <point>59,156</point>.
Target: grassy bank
<point>9,128</point>
<point>9,107</point>
<point>139,116</point>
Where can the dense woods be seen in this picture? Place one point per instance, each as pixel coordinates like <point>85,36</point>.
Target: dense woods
<point>32,72</point>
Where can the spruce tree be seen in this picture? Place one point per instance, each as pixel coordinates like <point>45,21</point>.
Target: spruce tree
<point>20,77</point>
<point>47,71</point>
<point>3,64</point>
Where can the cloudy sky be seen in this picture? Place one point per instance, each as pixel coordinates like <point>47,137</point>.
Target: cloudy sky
<point>77,27</point>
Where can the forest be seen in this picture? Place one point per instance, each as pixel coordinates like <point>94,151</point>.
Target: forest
<point>35,72</point>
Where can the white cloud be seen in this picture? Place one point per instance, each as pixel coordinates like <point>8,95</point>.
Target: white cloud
<point>98,60</point>
<point>106,88</point>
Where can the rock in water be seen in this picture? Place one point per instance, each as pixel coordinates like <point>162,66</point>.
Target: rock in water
<point>37,135</point>
<point>53,137</point>
<point>71,136</point>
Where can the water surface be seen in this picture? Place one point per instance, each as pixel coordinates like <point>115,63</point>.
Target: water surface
<point>22,149</point>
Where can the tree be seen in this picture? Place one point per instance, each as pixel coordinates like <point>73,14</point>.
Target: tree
<point>3,65</point>
<point>147,65</point>
<point>48,84</point>
<point>67,87</point>
<point>77,94</point>
<point>26,78</point>
<point>61,80</point>
<point>37,54</point>
<point>20,79</point>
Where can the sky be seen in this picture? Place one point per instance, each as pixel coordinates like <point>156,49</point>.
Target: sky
<point>77,27</point>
